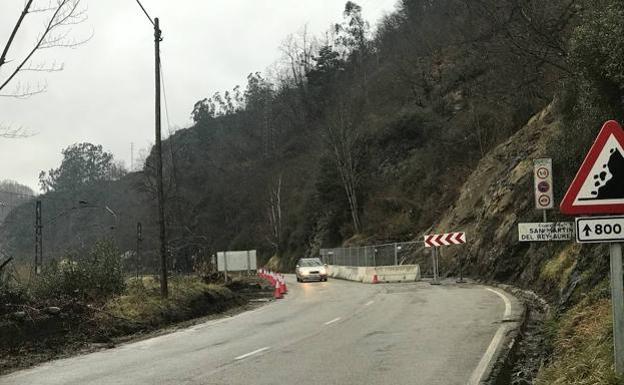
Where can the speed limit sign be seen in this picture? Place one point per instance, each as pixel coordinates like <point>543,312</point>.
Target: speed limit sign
<point>542,176</point>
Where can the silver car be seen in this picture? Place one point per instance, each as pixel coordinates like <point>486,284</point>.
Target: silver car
<point>311,269</point>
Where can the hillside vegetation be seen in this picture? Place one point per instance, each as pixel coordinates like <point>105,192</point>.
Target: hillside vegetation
<point>360,135</point>
<point>428,121</point>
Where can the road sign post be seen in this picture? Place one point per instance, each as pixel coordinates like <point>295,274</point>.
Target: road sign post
<point>434,264</point>
<point>598,188</point>
<point>461,271</point>
<point>435,241</point>
<point>617,303</point>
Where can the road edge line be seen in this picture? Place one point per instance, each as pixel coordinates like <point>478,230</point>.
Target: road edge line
<point>491,355</point>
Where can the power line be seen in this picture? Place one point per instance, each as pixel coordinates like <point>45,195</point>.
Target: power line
<point>171,144</point>
<point>145,12</point>
<point>165,98</point>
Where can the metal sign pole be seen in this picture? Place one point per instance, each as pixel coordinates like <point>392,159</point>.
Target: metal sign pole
<point>434,261</point>
<point>617,302</point>
<point>461,270</point>
<point>438,252</point>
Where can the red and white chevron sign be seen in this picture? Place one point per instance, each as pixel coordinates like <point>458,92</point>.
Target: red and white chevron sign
<point>437,240</point>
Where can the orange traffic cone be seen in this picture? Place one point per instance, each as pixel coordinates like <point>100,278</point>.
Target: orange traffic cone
<point>375,279</point>
<point>277,294</point>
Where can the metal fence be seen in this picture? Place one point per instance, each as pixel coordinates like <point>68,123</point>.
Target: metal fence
<point>389,254</point>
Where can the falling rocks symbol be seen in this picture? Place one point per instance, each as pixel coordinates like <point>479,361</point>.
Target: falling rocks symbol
<point>614,187</point>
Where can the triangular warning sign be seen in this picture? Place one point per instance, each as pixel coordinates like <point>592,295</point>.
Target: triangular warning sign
<point>598,187</point>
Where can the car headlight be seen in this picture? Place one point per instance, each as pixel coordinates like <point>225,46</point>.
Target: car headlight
<point>323,271</point>
<point>305,272</point>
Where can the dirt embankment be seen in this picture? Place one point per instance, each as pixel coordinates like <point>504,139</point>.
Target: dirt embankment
<point>34,333</point>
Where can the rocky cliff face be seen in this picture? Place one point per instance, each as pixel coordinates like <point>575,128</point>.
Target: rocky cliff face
<point>495,198</point>
<point>571,344</point>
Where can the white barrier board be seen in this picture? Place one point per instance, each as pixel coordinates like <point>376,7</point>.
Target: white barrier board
<point>236,260</point>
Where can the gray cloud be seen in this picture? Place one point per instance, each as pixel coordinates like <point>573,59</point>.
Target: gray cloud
<point>105,93</point>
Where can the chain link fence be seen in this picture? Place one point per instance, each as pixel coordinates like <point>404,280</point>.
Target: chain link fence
<point>400,253</point>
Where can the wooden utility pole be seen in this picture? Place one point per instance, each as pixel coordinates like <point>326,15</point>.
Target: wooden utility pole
<point>138,249</point>
<point>164,291</point>
<point>38,238</point>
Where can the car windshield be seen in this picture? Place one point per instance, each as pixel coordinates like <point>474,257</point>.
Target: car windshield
<point>310,263</point>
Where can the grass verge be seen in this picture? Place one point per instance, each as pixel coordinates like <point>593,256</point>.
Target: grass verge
<point>582,343</point>
<point>83,326</point>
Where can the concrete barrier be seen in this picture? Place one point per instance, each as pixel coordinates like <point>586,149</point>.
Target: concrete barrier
<point>401,273</point>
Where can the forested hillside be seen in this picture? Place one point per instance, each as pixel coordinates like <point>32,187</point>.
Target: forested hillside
<point>364,134</point>
<point>12,194</point>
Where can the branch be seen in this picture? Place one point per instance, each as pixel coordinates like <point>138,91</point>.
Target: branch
<point>23,92</point>
<point>3,264</point>
<point>42,67</point>
<point>65,13</point>
<point>13,133</point>
<point>5,51</point>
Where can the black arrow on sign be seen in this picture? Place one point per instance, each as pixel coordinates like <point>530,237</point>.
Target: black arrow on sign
<point>587,230</point>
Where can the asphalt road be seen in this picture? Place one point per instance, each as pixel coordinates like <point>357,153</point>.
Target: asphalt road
<point>336,332</point>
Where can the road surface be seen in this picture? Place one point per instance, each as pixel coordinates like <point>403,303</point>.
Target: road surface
<point>335,332</point>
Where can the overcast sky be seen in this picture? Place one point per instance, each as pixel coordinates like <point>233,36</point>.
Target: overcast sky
<point>105,93</point>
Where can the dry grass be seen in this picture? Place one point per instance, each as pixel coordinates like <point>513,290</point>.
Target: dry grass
<point>558,269</point>
<point>189,297</point>
<point>583,347</point>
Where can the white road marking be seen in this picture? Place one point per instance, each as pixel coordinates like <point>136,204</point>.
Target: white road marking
<point>332,321</point>
<point>505,299</point>
<point>252,353</point>
<point>480,370</point>
<point>369,303</point>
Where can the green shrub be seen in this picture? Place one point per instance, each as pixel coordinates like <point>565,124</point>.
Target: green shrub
<point>97,276</point>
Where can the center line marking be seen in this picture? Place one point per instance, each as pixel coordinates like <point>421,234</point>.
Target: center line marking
<point>252,353</point>
<point>369,303</point>
<point>332,321</point>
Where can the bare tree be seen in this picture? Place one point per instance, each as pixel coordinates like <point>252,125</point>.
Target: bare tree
<point>274,214</point>
<point>298,55</point>
<point>342,136</point>
<point>60,16</point>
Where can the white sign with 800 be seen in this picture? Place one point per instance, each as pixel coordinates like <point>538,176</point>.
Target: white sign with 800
<point>600,229</point>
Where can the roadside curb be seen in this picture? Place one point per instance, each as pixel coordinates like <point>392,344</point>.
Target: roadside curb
<point>503,342</point>
<point>503,362</point>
